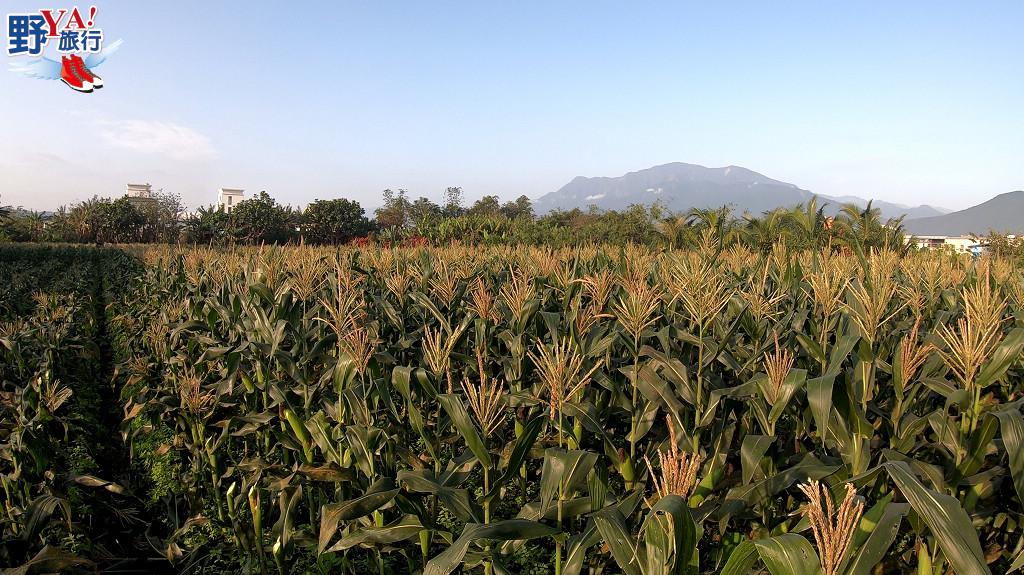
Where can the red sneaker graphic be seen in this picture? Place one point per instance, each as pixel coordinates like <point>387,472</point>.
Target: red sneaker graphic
<point>69,75</point>
<point>85,73</point>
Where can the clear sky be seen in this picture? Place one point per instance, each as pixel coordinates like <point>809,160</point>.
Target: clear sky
<point>913,102</point>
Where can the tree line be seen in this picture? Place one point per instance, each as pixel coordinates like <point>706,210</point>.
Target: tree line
<point>487,221</point>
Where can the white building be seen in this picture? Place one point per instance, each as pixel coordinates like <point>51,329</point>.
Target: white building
<point>956,244</point>
<point>138,190</point>
<point>140,195</point>
<point>228,198</point>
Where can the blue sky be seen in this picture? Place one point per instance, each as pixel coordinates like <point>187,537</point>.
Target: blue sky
<point>913,102</point>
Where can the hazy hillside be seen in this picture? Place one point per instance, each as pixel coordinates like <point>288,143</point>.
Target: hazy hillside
<point>681,186</point>
<point>889,209</point>
<point>1004,213</point>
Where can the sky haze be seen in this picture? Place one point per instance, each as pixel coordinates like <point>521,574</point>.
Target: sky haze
<point>911,102</point>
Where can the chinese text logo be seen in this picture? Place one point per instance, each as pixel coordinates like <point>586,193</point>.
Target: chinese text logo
<point>73,32</point>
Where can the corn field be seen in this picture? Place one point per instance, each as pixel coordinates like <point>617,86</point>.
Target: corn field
<point>512,410</point>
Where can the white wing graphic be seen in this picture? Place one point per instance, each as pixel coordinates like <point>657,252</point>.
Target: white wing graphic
<point>41,68</point>
<point>47,69</point>
<point>98,58</point>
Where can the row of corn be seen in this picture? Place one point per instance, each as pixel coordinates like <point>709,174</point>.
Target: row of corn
<point>588,410</point>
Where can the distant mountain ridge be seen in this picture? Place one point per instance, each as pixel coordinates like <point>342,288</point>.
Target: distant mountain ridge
<point>1003,213</point>
<point>680,187</point>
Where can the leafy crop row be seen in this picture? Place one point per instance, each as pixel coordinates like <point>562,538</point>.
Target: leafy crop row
<point>588,410</point>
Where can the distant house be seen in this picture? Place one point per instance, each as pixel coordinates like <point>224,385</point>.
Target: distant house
<point>956,244</point>
<point>139,195</point>
<point>228,198</point>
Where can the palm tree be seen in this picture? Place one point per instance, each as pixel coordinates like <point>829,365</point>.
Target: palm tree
<point>676,231</point>
<point>718,219</point>
<point>762,233</point>
<point>85,219</point>
<point>207,225</point>
<point>59,229</point>
<point>807,224</point>
<point>5,213</point>
<point>894,235</point>
<point>36,224</point>
<point>860,226</point>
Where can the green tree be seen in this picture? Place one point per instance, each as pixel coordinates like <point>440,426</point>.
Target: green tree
<point>807,225</point>
<point>453,202</point>
<point>424,210</point>
<point>118,221</point>
<point>677,231</point>
<point>486,206</point>
<point>83,221</point>
<point>35,225</point>
<point>163,217</point>
<point>334,222</point>
<point>207,225</point>
<point>718,219</point>
<point>59,228</point>
<point>521,208</point>
<point>859,226</point>
<point>894,235</point>
<point>262,220</point>
<point>395,212</point>
<point>762,233</point>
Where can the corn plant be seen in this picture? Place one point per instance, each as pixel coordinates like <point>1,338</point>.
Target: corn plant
<point>578,410</point>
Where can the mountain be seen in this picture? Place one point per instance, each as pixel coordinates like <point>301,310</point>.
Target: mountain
<point>889,209</point>
<point>681,186</point>
<point>1003,213</point>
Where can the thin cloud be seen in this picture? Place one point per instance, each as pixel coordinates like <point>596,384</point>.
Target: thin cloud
<point>158,138</point>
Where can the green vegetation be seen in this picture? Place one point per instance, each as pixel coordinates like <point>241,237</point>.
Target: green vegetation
<point>515,409</point>
<point>57,412</point>
<point>261,220</point>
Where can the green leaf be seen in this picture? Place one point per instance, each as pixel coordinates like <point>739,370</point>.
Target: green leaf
<point>563,470</point>
<point>1009,350</point>
<point>425,302</point>
<point>1011,428</point>
<point>947,520</point>
<point>576,547</point>
<point>379,494</point>
<point>587,414</point>
<point>658,391</point>
<point>674,371</point>
<point>788,554</point>
<point>747,389</point>
<point>508,530</point>
<point>287,499</point>
<point>401,379</point>
<point>794,381</point>
<point>740,498</point>
<point>819,396</point>
<point>520,451</point>
<point>627,554</point>
<point>671,536</point>
<point>456,500</point>
<point>38,514</point>
<point>50,560</point>
<point>742,559</point>
<point>405,528</point>
<point>455,408</point>
<point>363,441</point>
<point>881,533</point>
<point>320,429</point>
<point>751,452</point>
<point>844,345</point>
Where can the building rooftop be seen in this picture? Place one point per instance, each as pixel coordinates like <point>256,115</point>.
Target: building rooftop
<point>138,190</point>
